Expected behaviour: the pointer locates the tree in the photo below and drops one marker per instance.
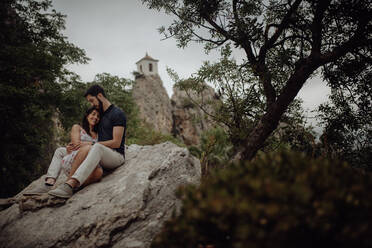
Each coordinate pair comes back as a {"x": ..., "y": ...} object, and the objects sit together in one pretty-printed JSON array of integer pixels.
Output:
[
  {"x": 347, "y": 117},
  {"x": 241, "y": 103},
  {"x": 33, "y": 53},
  {"x": 72, "y": 105},
  {"x": 285, "y": 43}
]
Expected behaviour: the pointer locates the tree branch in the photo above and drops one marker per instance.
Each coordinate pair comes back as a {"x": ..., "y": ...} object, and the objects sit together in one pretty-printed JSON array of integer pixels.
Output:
[
  {"x": 316, "y": 26},
  {"x": 265, "y": 79},
  {"x": 216, "y": 42},
  {"x": 270, "y": 119},
  {"x": 291, "y": 37},
  {"x": 267, "y": 28},
  {"x": 353, "y": 43},
  {"x": 261, "y": 68},
  {"x": 246, "y": 46},
  {"x": 282, "y": 26}
]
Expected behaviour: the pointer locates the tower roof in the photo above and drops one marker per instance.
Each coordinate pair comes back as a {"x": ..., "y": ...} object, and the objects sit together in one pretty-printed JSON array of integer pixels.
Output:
[{"x": 147, "y": 57}]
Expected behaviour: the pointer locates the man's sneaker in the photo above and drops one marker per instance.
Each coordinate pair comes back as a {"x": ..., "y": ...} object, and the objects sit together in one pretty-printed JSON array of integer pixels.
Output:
[
  {"x": 39, "y": 189},
  {"x": 62, "y": 191}
]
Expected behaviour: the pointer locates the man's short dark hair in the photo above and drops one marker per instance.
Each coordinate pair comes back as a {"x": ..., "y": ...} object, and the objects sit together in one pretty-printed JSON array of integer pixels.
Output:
[{"x": 94, "y": 90}]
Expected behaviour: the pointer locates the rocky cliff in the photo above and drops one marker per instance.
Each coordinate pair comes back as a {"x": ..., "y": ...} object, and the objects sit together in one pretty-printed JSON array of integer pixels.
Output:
[
  {"x": 126, "y": 209},
  {"x": 153, "y": 102},
  {"x": 178, "y": 116},
  {"x": 189, "y": 120}
]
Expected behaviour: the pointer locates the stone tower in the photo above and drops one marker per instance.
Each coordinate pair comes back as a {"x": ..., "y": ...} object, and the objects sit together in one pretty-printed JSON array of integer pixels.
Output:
[
  {"x": 151, "y": 97},
  {"x": 147, "y": 66}
]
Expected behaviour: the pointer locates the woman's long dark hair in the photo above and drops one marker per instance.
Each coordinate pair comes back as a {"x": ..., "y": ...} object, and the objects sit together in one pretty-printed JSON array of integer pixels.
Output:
[{"x": 85, "y": 122}]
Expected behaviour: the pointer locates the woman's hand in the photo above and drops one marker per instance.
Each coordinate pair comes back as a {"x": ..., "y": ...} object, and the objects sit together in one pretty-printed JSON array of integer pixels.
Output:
[
  {"x": 69, "y": 148},
  {"x": 73, "y": 147}
]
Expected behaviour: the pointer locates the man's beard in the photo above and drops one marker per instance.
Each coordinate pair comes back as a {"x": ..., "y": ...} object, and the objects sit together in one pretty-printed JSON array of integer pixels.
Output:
[{"x": 100, "y": 107}]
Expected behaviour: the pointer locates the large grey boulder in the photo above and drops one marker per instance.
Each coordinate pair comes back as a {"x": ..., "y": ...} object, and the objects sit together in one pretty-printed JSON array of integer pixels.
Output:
[{"x": 126, "y": 209}]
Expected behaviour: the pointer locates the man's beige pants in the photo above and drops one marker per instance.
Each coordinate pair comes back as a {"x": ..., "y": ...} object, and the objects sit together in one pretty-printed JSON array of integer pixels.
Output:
[{"x": 98, "y": 154}]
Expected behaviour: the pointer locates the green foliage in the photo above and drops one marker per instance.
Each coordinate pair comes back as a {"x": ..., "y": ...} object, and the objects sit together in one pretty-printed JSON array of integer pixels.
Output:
[
  {"x": 293, "y": 133},
  {"x": 215, "y": 150},
  {"x": 33, "y": 53},
  {"x": 347, "y": 117},
  {"x": 187, "y": 103},
  {"x": 27, "y": 131},
  {"x": 73, "y": 104},
  {"x": 146, "y": 135},
  {"x": 278, "y": 200}
]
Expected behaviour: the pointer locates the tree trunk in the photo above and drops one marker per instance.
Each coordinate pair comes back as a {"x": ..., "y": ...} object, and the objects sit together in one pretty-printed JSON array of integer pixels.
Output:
[{"x": 270, "y": 120}]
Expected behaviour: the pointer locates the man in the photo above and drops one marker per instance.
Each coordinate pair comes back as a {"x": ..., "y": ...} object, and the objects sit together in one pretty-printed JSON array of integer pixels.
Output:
[{"x": 109, "y": 151}]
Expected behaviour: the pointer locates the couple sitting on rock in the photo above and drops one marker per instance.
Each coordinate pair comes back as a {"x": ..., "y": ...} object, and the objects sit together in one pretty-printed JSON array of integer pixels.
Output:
[{"x": 98, "y": 143}]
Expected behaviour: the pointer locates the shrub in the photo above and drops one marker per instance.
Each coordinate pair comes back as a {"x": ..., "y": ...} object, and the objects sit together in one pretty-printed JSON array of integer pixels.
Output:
[
  {"x": 278, "y": 200},
  {"x": 146, "y": 135},
  {"x": 215, "y": 150}
]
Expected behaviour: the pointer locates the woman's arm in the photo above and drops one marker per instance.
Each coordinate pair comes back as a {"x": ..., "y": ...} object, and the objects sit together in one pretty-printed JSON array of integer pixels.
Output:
[
  {"x": 75, "y": 139},
  {"x": 75, "y": 134}
]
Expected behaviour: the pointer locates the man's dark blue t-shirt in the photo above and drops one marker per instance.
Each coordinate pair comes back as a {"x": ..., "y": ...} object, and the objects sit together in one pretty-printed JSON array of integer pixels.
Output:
[{"x": 112, "y": 117}]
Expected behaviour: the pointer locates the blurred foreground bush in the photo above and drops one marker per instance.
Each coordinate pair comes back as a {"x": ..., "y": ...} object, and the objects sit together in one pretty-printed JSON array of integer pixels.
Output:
[{"x": 279, "y": 200}]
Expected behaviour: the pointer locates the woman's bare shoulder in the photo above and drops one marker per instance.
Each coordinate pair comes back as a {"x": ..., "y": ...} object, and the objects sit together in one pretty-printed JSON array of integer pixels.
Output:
[{"x": 76, "y": 127}]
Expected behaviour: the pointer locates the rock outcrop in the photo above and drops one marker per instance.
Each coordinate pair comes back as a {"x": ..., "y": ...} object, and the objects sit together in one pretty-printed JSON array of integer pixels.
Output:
[
  {"x": 126, "y": 209},
  {"x": 153, "y": 101},
  {"x": 178, "y": 116},
  {"x": 189, "y": 121}
]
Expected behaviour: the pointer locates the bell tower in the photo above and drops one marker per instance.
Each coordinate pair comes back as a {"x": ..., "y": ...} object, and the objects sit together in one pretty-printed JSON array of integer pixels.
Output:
[{"x": 147, "y": 65}]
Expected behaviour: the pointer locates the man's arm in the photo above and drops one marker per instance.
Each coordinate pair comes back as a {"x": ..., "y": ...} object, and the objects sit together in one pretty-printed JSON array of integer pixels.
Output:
[{"x": 118, "y": 132}]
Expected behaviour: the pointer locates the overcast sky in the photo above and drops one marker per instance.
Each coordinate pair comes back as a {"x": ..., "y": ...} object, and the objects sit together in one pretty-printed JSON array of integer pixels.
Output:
[{"x": 117, "y": 33}]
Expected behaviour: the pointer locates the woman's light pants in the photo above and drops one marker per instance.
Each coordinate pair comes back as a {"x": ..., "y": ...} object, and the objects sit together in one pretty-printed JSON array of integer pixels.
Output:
[{"x": 56, "y": 164}]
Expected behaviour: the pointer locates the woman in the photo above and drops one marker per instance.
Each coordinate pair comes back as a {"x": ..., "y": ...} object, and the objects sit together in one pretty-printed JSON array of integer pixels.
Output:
[
  {"x": 69, "y": 158},
  {"x": 82, "y": 136}
]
